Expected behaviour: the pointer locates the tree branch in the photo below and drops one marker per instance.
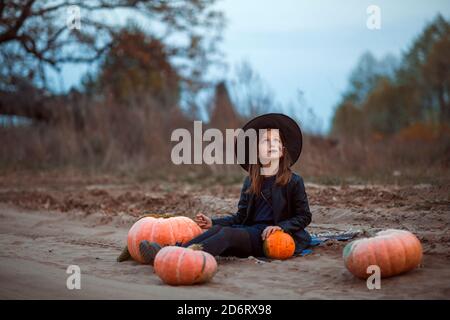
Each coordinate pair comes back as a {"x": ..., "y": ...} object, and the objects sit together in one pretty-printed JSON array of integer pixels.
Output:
[{"x": 11, "y": 34}]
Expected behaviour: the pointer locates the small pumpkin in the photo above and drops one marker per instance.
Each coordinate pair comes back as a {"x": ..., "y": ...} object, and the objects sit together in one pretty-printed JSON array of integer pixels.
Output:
[
  {"x": 164, "y": 231},
  {"x": 184, "y": 266},
  {"x": 394, "y": 251},
  {"x": 279, "y": 245}
]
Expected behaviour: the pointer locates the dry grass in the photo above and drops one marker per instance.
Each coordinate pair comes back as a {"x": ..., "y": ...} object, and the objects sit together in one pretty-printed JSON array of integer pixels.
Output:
[{"x": 134, "y": 141}]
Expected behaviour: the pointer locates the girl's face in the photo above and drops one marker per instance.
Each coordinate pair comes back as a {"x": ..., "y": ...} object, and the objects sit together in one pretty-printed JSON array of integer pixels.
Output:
[{"x": 270, "y": 146}]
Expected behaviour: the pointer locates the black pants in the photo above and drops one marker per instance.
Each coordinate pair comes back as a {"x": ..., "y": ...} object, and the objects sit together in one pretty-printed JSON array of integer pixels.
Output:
[{"x": 224, "y": 241}]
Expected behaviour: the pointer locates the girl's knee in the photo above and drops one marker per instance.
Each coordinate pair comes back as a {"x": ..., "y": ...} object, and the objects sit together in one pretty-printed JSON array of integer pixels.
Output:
[{"x": 234, "y": 233}]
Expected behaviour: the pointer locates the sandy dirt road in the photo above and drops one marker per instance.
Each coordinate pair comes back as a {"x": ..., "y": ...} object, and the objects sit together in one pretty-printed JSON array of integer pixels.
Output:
[
  {"x": 45, "y": 226},
  {"x": 37, "y": 247}
]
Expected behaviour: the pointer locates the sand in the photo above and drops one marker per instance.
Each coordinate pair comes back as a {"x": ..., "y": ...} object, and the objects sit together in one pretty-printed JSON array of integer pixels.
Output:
[{"x": 40, "y": 239}]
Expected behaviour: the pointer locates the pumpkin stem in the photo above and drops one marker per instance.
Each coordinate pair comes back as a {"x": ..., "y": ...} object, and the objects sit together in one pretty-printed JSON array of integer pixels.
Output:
[
  {"x": 196, "y": 246},
  {"x": 124, "y": 256}
]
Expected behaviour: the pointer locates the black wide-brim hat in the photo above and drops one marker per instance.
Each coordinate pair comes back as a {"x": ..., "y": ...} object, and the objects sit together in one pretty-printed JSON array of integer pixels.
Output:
[{"x": 289, "y": 129}]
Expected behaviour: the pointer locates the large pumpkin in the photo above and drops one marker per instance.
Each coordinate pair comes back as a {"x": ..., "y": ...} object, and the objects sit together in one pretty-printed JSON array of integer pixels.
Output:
[
  {"x": 164, "y": 231},
  {"x": 184, "y": 266},
  {"x": 394, "y": 251},
  {"x": 279, "y": 245}
]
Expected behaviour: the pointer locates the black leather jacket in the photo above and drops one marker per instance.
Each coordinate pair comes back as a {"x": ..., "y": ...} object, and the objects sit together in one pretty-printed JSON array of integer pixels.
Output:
[{"x": 290, "y": 207}]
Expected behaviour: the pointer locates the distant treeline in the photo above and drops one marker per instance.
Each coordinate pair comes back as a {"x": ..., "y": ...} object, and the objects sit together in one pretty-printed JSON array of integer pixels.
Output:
[{"x": 409, "y": 96}]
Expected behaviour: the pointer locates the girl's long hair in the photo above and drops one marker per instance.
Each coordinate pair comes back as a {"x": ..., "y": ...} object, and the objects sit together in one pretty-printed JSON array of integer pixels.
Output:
[{"x": 283, "y": 174}]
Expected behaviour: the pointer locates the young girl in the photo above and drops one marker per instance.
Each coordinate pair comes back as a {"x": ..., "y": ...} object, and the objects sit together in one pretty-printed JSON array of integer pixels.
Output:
[{"x": 272, "y": 198}]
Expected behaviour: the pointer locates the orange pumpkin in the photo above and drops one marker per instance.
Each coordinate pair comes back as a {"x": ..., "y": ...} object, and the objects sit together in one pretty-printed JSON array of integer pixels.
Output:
[
  {"x": 164, "y": 231},
  {"x": 279, "y": 245},
  {"x": 184, "y": 266},
  {"x": 394, "y": 251}
]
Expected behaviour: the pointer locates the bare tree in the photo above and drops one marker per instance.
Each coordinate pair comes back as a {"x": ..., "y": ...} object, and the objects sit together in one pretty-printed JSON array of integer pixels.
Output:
[
  {"x": 251, "y": 94},
  {"x": 35, "y": 36}
]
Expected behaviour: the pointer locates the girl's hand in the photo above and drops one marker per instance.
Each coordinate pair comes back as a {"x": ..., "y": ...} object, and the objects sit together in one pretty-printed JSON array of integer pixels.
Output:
[
  {"x": 268, "y": 231},
  {"x": 203, "y": 221}
]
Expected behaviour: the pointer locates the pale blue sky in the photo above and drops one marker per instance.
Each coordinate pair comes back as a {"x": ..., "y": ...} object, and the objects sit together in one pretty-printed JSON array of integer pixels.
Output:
[{"x": 313, "y": 45}]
